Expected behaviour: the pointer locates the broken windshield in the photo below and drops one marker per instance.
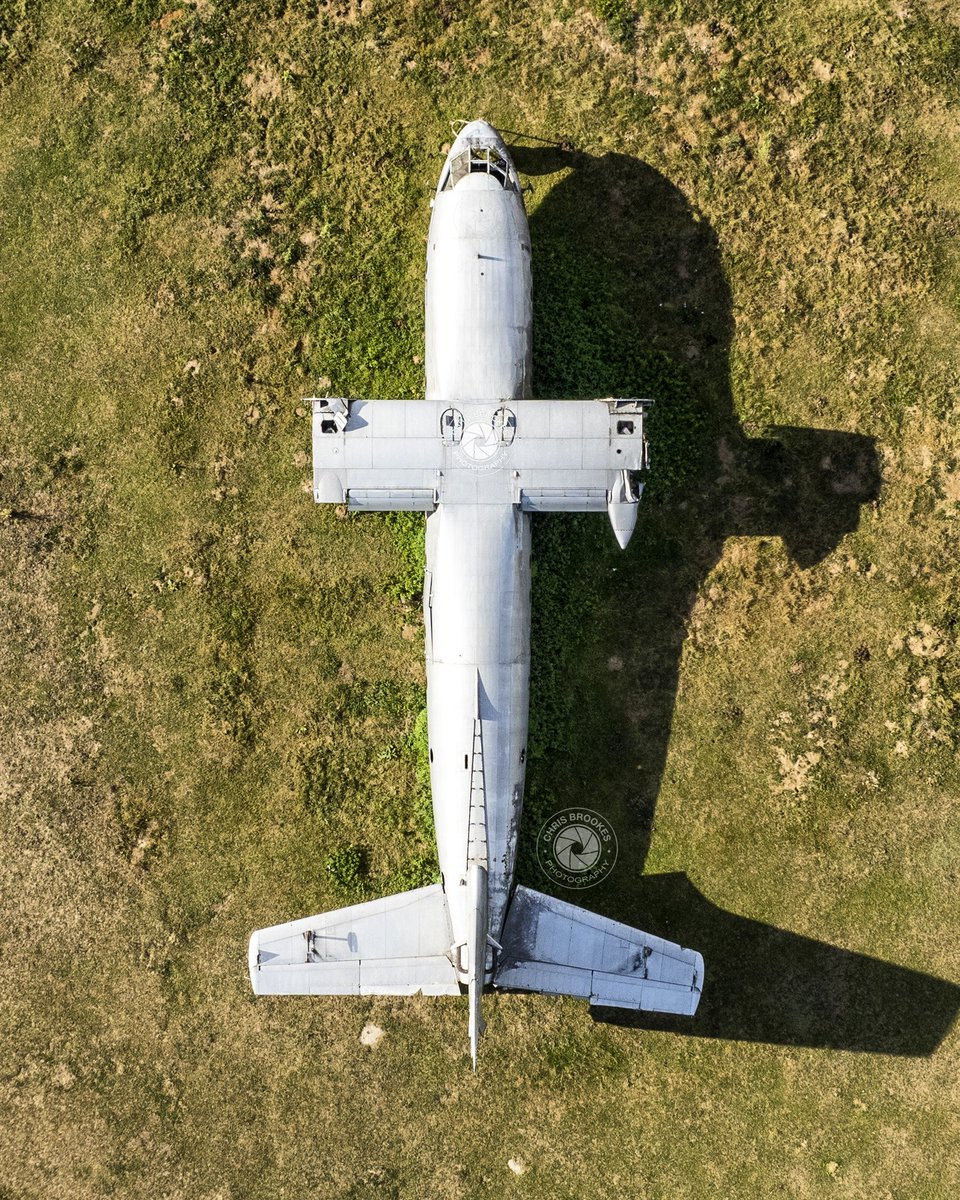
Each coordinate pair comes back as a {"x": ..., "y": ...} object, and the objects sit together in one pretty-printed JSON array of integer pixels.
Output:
[{"x": 485, "y": 159}]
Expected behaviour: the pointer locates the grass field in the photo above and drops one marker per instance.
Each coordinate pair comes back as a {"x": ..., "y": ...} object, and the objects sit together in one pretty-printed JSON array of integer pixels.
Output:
[{"x": 211, "y": 690}]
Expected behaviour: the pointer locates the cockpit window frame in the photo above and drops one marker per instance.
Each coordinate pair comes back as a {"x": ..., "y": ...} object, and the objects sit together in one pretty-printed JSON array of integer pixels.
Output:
[{"x": 484, "y": 158}]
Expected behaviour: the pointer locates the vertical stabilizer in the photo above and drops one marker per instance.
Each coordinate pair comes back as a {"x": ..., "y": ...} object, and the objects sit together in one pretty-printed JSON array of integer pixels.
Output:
[
  {"x": 477, "y": 1023},
  {"x": 477, "y": 838},
  {"x": 476, "y": 950}
]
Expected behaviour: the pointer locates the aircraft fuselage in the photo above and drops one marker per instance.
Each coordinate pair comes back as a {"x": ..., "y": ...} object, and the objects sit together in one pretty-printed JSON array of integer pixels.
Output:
[{"x": 477, "y": 587}]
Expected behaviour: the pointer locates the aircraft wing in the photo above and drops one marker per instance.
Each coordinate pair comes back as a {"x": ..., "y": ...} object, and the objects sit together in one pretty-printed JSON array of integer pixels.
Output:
[
  {"x": 554, "y": 947},
  {"x": 376, "y": 454},
  {"x": 395, "y": 946},
  {"x": 555, "y": 455},
  {"x": 567, "y": 453}
]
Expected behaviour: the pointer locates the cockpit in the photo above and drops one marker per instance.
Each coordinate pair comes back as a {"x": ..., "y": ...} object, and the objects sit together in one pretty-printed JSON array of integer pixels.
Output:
[{"x": 479, "y": 157}]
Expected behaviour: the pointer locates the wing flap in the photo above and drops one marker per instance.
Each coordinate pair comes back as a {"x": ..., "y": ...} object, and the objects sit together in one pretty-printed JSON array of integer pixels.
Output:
[
  {"x": 585, "y": 499},
  {"x": 554, "y": 947},
  {"x": 429, "y": 976},
  {"x": 391, "y": 499}
]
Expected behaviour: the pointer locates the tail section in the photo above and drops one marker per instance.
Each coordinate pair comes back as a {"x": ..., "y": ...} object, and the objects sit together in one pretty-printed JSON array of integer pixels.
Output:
[
  {"x": 402, "y": 945},
  {"x": 554, "y": 947},
  {"x": 396, "y": 946}
]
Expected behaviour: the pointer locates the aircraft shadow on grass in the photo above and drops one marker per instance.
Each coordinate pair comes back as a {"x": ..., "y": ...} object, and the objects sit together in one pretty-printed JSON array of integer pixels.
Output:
[
  {"x": 623, "y": 265},
  {"x": 765, "y": 984}
]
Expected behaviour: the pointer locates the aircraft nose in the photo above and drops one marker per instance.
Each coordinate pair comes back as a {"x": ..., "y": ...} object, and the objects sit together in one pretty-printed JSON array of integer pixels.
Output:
[
  {"x": 478, "y": 148},
  {"x": 479, "y": 129}
]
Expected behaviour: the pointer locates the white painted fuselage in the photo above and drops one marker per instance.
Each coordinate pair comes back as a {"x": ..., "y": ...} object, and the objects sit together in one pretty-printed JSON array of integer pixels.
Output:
[{"x": 477, "y": 588}]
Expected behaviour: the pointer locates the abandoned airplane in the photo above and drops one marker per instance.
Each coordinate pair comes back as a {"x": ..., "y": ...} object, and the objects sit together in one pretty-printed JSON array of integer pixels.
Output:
[{"x": 479, "y": 457}]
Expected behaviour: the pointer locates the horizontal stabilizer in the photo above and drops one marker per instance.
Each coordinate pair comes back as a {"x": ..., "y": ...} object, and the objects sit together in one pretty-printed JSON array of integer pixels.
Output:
[
  {"x": 395, "y": 946},
  {"x": 554, "y": 947}
]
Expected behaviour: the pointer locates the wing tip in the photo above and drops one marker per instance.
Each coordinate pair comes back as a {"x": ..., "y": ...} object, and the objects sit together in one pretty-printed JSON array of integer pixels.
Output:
[{"x": 253, "y": 961}]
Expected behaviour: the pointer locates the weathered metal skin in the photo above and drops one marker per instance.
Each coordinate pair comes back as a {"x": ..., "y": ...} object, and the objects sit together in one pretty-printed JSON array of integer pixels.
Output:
[
  {"x": 478, "y": 654},
  {"x": 477, "y": 599}
]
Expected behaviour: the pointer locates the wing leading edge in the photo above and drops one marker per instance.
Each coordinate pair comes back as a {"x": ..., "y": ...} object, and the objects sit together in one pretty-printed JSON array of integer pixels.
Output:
[{"x": 554, "y": 947}]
